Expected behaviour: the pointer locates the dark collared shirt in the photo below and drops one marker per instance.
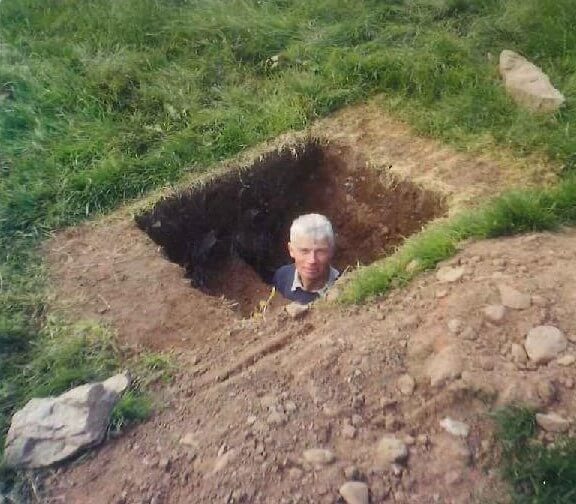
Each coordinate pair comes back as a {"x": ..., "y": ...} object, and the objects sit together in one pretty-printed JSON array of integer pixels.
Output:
[{"x": 288, "y": 283}]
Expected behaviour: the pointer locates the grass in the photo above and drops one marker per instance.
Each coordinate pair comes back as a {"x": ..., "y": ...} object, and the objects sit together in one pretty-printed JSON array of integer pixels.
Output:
[
  {"x": 536, "y": 473},
  {"x": 102, "y": 101},
  {"x": 133, "y": 407},
  {"x": 511, "y": 213}
]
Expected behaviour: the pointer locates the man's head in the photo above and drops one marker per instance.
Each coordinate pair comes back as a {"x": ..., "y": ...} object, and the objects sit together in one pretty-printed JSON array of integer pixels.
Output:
[{"x": 311, "y": 246}]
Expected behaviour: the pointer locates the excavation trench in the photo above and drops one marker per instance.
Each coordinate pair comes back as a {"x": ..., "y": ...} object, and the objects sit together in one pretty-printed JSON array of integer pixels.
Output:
[{"x": 230, "y": 233}]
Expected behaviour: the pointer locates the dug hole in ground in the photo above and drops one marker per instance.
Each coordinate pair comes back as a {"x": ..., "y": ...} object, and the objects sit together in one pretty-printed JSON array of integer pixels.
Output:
[{"x": 271, "y": 409}]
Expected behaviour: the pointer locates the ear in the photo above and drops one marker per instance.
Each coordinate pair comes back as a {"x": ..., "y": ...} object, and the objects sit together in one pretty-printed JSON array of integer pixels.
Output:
[{"x": 290, "y": 250}]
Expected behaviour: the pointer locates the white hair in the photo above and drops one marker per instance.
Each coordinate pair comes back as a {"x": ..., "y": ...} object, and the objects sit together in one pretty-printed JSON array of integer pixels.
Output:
[{"x": 314, "y": 226}]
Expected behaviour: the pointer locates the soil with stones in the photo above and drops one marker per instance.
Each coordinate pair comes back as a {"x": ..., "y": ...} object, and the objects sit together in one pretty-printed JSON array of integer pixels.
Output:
[
  {"x": 239, "y": 417},
  {"x": 394, "y": 394}
]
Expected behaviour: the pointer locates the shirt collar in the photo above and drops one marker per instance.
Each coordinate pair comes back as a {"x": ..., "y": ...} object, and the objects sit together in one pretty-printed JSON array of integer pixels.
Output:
[{"x": 332, "y": 277}]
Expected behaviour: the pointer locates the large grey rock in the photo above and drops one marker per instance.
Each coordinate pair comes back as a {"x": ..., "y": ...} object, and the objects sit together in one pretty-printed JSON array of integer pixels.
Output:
[
  {"x": 544, "y": 343},
  {"x": 53, "y": 429},
  {"x": 527, "y": 84}
]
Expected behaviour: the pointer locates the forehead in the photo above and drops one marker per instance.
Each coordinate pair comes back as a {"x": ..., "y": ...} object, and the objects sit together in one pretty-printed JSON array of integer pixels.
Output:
[{"x": 309, "y": 242}]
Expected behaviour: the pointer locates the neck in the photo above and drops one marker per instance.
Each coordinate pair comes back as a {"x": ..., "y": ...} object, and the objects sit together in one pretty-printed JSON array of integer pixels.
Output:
[{"x": 316, "y": 284}]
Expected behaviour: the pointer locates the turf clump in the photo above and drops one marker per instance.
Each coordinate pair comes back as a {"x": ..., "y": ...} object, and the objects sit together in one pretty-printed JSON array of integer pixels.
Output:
[{"x": 538, "y": 474}]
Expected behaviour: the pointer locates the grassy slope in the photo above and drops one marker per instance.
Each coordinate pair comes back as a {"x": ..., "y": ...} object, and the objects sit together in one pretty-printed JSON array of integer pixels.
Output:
[{"x": 102, "y": 100}]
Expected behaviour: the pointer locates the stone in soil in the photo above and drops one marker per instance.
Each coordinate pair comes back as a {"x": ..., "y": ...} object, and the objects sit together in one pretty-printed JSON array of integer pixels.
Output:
[
  {"x": 355, "y": 492},
  {"x": 297, "y": 310},
  {"x": 448, "y": 274},
  {"x": 223, "y": 460},
  {"x": 189, "y": 439},
  {"x": 406, "y": 384},
  {"x": 318, "y": 456},
  {"x": 444, "y": 366},
  {"x": 390, "y": 450},
  {"x": 566, "y": 360},
  {"x": 455, "y": 326},
  {"x": 546, "y": 391},
  {"x": 276, "y": 418},
  {"x": 455, "y": 427},
  {"x": 518, "y": 354},
  {"x": 513, "y": 298},
  {"x": 52, "y": 429},
  {"x": 348, "y": 431},
  {"x": 552, "y": 422},
  {"x": 495, "y": 313},
  {"x": 544, "y": 343}
]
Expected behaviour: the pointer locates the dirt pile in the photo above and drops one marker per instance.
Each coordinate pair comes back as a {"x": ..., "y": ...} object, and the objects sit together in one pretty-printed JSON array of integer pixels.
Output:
[
  {"x": 394, "y": 394},
  {"x": 272, "y": 409},
  {"x": 112, "y": 271}
]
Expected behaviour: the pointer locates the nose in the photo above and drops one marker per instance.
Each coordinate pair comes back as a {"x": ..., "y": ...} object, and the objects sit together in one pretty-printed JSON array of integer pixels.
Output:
[{"x": 313, "y": 257}]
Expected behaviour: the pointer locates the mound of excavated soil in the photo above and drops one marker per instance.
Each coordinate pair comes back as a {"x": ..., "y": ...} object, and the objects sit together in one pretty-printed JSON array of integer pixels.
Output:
[
  {"x": 112, "y": 271},
  {"x": 248, "y": 402},
  {"x": 251, "y": 396}
]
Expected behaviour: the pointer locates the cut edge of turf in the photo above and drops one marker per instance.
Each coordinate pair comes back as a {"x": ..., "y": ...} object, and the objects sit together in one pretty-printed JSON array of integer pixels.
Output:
[{"x": 536, "y": 168}]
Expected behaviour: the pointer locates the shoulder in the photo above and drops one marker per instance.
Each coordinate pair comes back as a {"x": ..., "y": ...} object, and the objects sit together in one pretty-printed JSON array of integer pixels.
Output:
[
  {"x": 284, "y": 272},
  {"x": 283, "y": 278}
]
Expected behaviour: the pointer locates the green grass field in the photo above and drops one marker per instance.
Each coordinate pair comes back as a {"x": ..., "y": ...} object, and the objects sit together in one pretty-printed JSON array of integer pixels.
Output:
[{"x": 102, "y": 101}]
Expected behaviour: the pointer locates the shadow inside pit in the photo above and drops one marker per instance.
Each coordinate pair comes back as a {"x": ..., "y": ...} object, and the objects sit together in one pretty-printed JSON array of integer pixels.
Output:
[{"x": 230, "y": 233}]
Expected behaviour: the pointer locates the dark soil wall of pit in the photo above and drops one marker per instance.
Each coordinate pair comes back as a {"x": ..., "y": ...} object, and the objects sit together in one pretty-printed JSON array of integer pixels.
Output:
[{"x": 245, "y": 215}]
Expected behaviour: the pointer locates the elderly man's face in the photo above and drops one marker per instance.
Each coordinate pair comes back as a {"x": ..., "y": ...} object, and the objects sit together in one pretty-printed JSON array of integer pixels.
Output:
[{"x": 311, "y": 257}]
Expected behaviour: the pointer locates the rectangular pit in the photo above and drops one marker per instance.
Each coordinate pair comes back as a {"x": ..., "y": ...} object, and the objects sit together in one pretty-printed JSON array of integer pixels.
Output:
[{"x": 230, "y": 233}]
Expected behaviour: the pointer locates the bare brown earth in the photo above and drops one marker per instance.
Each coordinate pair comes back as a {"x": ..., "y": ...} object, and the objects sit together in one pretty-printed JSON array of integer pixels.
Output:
[
  {"x": 246, "y": 403},
  {"x": 111, "y": 271},
  {"x": 251, "y": 394}
]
